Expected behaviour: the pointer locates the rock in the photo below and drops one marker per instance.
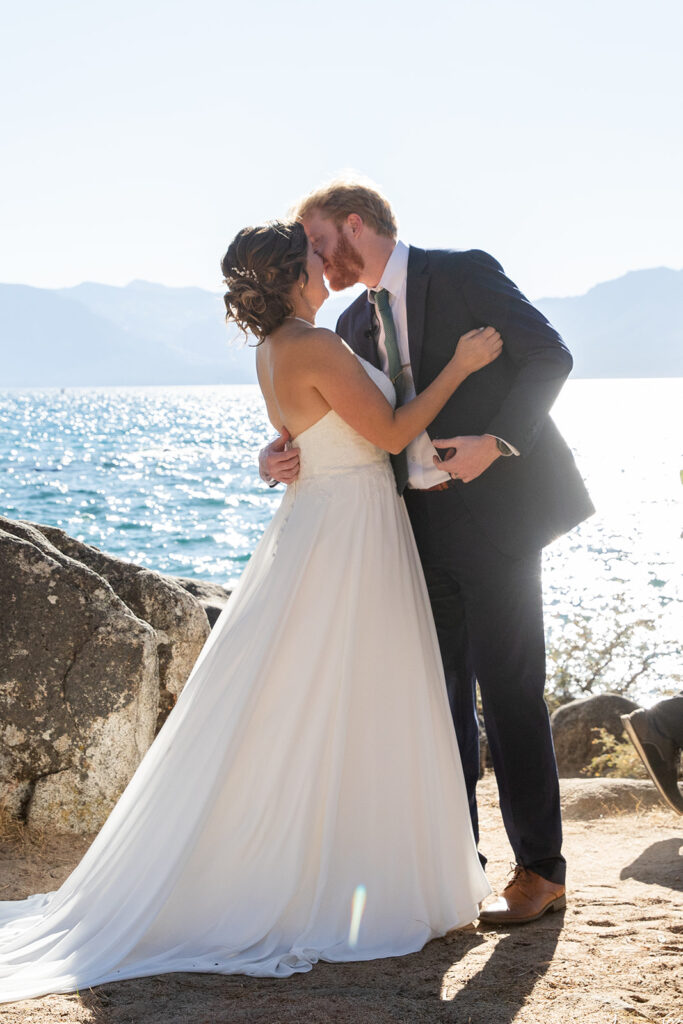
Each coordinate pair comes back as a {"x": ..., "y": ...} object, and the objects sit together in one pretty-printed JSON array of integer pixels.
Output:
[
  {"x": 93, "y": 653},
  {"x": 80, "y": 687},
  {"x": 485, "y": 759},
  {"x": 176, "y": 616},
  {"x": 212, "y": 596},
  {"x": 573, "y": 726},
  {"x": 597, "y": 798}
]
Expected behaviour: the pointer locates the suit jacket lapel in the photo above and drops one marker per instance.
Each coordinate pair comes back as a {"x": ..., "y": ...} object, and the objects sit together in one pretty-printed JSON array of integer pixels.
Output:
[
  {"x": 365, "y": 333},
  {"x": 416, "y": 299}
]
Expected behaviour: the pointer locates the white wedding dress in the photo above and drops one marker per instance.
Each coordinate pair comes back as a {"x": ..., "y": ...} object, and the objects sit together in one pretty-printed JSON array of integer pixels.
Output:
[{"x": 304, "y": 800}]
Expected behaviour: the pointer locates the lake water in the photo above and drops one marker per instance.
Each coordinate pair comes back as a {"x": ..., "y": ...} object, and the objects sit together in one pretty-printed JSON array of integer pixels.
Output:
[{"x": 167, "y": 477}]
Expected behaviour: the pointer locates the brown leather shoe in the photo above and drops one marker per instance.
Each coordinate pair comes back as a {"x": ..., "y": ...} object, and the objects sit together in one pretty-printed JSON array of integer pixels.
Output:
[{"x": 526, "y": 897}]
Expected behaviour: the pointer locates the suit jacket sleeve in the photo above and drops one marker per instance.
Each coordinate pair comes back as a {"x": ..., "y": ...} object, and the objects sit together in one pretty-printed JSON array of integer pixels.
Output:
[{"x": 541, "y": 359}]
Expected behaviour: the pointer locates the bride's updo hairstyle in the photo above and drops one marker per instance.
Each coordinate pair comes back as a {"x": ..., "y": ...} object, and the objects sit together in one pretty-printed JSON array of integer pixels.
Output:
[{"x": 260, "y": 268}]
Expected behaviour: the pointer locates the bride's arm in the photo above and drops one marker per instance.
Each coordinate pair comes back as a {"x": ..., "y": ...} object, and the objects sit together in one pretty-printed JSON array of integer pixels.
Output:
[{"x": 335, "y": 372}]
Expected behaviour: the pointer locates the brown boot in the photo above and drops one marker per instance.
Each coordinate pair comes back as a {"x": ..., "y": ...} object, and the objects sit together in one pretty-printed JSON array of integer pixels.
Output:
[{"x": 526, "y": 897}]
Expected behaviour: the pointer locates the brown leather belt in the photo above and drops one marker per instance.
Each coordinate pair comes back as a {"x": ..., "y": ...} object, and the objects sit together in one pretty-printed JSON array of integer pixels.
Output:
[{"x": 443, "y": 486}]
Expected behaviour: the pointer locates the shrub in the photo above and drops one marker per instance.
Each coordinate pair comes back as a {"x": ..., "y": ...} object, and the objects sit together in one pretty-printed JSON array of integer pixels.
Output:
[{"x": 616, "y": 758}]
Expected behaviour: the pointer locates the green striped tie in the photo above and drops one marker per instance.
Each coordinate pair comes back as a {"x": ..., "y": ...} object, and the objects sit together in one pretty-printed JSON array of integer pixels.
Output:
[{"x": 381, "y": 300}]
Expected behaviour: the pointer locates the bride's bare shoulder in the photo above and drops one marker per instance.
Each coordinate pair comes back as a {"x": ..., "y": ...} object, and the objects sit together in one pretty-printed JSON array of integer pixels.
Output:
[
  {"x": 322, "y": 343},
  {"x": 312, "y": 348}
]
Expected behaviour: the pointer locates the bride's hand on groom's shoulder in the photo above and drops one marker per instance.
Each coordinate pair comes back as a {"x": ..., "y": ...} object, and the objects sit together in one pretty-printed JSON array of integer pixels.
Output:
[
  {"x": 277, "y": 463},
  {"x": 477, "y": 349}
]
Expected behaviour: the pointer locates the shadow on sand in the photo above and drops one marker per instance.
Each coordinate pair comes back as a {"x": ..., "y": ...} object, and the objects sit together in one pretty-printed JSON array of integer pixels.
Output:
[
  {"x": 502, "y": 985},
  {"x": 660, "y": 864},
  {"x": 484, "y": 977}
]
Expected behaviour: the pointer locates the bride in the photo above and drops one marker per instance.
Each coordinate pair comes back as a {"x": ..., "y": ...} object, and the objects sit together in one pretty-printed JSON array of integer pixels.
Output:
[{"x": 304, "y": 800}]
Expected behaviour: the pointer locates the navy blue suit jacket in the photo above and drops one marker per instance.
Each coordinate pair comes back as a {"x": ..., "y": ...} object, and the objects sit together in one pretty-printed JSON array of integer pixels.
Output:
[{"x": 521, "y": 503}]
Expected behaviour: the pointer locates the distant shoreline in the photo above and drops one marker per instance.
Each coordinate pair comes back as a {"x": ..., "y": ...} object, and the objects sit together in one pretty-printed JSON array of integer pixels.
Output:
[{"x": 626, "y": 328}]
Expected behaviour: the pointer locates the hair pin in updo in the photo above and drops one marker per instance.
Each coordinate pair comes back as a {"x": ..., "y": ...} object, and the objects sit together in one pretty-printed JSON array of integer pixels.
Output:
[{"x": 260, "y": 268}]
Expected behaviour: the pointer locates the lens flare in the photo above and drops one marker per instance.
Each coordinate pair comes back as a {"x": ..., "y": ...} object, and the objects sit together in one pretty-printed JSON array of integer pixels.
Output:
[{"x": 357, "y": 909}]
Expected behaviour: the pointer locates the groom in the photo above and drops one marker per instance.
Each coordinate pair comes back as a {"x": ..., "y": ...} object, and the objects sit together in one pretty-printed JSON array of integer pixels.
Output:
[{"x": 502, "y": 487}]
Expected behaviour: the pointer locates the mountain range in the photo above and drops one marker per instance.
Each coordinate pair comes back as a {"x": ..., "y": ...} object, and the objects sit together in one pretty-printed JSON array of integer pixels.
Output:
[{"x": 95, "y": 334}]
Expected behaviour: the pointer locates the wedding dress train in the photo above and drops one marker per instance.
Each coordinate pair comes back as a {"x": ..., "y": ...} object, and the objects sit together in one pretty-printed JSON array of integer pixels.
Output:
[{"x": 304, "y": 800}]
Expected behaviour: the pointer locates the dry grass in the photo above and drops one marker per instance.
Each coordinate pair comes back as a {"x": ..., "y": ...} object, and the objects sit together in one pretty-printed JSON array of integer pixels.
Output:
[
  {"x": 14, "y": 832},
  {"x": 11, "y": 830}
]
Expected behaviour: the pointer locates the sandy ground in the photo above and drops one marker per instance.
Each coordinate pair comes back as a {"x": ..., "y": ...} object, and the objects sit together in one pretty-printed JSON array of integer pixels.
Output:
[{"x": 613, "y": 957}]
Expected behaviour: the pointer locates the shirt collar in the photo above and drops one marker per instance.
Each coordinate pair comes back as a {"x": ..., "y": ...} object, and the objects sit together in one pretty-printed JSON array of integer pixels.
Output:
[{"x": 396, "y": 270}]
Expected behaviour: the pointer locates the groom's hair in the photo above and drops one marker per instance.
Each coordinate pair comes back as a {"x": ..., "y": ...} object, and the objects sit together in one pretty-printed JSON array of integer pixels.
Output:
[{"x": 342, "y": 197}]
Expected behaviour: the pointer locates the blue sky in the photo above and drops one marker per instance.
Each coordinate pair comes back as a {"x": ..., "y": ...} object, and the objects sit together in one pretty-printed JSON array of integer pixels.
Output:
[{"x": 138, "y": 137}]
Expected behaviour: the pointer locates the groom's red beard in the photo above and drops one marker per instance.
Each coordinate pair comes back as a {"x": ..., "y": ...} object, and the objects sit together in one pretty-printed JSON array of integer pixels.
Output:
[{"x": 344, "y": 266}]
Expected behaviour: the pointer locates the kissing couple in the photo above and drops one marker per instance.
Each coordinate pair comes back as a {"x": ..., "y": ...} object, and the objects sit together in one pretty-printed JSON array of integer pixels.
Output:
[{"x": 312, "y": 794}]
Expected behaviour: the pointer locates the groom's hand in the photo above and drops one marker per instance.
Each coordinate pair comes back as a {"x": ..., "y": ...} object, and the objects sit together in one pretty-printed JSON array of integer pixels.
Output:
[
  {"x": 473, "y": 455},
  {"x": 276, "y": 463}
]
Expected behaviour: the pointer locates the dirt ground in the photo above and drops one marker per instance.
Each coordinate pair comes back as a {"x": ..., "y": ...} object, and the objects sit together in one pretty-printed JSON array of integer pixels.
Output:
[{"x": 614, "y": 956}]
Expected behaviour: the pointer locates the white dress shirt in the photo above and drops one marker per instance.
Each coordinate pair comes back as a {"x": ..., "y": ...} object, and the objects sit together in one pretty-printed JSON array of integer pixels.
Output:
[{"x": 421, "y": 470}]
